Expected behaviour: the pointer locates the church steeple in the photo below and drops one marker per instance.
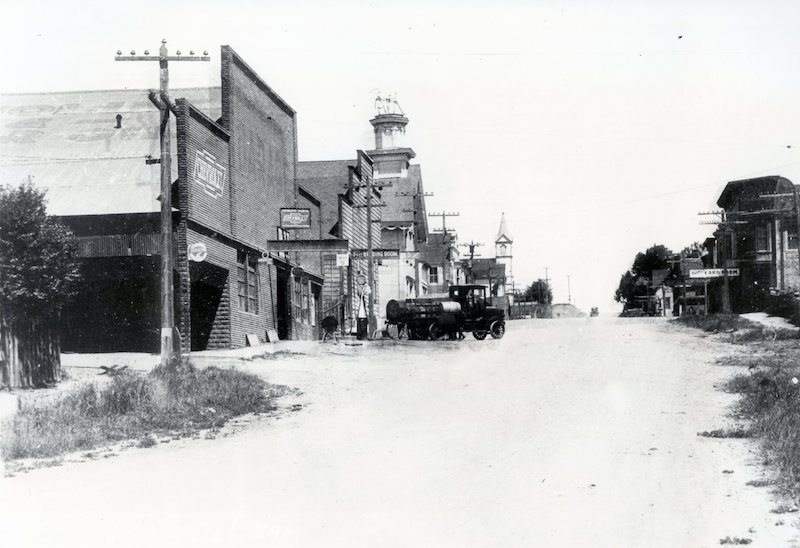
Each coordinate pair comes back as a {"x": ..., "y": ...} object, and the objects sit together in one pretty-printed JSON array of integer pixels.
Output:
[{"x": 503, "y": 250}]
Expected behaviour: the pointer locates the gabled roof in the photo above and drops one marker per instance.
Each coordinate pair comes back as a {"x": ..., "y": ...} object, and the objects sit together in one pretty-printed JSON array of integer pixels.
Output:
[
  {"x": 402, "y": 199},
  {"x": 67, "y": 142},
  {"x": 326, "y": 180}
]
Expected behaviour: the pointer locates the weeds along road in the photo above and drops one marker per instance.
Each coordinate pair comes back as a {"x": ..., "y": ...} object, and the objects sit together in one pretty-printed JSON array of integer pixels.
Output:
[{"x": 575, "y": 432}]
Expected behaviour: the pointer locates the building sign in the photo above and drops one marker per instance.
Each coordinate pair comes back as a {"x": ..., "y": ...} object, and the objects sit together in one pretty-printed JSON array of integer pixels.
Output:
[
  {"x": 209, "y": 174},
  {"x": 342, "y": 259},
  {"x": 198, "y": 252},
  {"x": 295, "y": 218},
  {"x": 712, "y": 273},
  {"x": 377, "y": 253}
]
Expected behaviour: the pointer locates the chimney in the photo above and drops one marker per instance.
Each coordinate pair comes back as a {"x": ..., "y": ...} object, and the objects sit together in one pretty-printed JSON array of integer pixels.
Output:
[{"x": 119, "y": 121}]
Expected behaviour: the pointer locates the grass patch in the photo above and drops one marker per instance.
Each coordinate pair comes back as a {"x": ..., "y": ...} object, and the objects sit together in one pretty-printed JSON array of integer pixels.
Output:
[
  {"x": 715, "y": 322},
  {"x": 735, "y": 540},
  {"x": 179, "y": 400},
  {"x": 734, "y": 433},
  {"x": 760, "y": 483},
  {"x": 771, "y": 403},
  {"x": 744, "y": 331}
]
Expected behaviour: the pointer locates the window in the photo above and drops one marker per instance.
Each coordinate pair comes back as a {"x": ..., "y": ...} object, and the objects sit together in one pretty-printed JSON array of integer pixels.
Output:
[
  {"x": 762, "y": 238},
  {"x": 247, "y": 278},
  {"x": 791, "y": 234},
  {"x": 305, "y": 305},
  {"x": 297, "y": 298},
  {"x": 433, "y": 275}
]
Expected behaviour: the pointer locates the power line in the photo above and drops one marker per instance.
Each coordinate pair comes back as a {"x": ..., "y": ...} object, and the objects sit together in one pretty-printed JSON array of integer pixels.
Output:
[{"x": 655, "y": 196}]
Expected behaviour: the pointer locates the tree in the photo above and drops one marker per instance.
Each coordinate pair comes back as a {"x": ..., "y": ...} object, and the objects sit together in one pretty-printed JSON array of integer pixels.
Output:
[
  {"x": 38, "y": 265},
  {"x": 539, "y": 291},
  {"x": 634, "y": 282}
]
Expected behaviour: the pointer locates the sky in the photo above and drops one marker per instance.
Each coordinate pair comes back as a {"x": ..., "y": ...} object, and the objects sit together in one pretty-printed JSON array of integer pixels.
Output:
[{"x": 598, "y": 127}]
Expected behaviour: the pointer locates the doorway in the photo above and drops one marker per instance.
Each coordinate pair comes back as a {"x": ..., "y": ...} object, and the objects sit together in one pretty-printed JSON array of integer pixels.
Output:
[
  {"x": 207, "y": 289},
  {"x": 282, "y": 305}
]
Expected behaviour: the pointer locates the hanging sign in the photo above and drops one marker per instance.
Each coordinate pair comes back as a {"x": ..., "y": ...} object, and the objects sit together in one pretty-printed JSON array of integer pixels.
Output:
[
  {"x": 295, "y": 218},
  {"x": 377, "y": 253}
]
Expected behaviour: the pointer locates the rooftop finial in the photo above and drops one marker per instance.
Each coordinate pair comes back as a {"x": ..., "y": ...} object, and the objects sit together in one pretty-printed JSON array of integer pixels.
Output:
[{"x": 388, "y": 105}]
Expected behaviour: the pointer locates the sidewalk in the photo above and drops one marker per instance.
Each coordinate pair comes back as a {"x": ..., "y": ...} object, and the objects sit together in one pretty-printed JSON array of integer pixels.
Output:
[{"x": 140, "y": 361}]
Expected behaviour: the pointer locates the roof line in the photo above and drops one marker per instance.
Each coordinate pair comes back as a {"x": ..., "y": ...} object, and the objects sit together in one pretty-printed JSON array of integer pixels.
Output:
[{"x": 144, "y": 90}]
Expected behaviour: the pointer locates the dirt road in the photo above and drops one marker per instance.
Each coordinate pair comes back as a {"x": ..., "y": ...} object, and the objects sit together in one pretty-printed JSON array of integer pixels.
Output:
[{"x": 565, "y": 433}]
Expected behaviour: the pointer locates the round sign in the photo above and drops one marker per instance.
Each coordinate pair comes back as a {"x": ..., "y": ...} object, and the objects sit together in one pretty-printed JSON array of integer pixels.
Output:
[
  {"x": 198, "y": 252},
  {"x": 361, "y": 279}
]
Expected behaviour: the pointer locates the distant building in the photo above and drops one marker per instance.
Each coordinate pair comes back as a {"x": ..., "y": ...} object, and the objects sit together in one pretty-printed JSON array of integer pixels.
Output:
[
  {"x": 760, "y": 239},
  {"x": 438, "y": 264},
  {"x": 491, "y": 273},
  {"x": 342, "y": 188}
]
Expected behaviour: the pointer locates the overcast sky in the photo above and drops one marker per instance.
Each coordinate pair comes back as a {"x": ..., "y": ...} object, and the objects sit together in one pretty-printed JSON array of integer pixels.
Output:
[{"x": 599, "y": 128}]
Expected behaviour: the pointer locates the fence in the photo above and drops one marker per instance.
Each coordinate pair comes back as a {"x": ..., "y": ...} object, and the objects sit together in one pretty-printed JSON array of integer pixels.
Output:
[{"x": 30, "y": 352}]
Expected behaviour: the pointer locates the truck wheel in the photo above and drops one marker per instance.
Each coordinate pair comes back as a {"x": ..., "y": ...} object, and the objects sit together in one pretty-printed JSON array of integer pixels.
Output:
[
  {"x": 480, "y": 335},
  {"x": 498, "y": 329}
]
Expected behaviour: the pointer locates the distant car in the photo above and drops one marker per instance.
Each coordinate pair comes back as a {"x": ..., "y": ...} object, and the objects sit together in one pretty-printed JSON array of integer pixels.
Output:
[{"x": 594, "y": 312}]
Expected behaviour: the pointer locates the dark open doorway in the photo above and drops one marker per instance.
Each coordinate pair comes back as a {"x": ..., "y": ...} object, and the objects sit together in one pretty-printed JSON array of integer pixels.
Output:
[
  {"x": 208, "y": 287},
  {"x": 282, "y": 301}
]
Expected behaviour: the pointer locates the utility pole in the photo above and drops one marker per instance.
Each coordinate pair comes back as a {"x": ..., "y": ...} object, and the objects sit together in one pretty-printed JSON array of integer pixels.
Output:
[
  {"x": 444, "y": 215},
  {"x": 471, "y": 245},
  {"x": 165, "y": 105},
  {"x": 369, "y": 186},
  {"x": 569, "y": 291},
  {"x": 546, "y": 280},
  {"x": 723, "y": 224}
]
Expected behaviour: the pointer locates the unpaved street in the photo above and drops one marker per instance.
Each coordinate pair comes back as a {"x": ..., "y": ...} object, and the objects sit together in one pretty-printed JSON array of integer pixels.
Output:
[{"x": 565, "y": 433}]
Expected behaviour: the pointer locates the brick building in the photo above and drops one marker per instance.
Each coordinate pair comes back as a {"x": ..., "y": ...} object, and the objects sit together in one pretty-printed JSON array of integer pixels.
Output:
[{"x": 236, "y": 168}]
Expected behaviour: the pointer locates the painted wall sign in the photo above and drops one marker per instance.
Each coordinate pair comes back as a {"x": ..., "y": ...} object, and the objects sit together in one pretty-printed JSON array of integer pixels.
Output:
[
  {"x": 712, "y": 273},
  {"x": 209, "y": 174},
  {"x": 295, "y": 218}
]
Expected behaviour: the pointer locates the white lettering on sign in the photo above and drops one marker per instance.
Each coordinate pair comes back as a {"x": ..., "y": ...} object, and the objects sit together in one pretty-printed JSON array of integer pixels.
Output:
[
  {"x": 712, "y": 272},
  {"x": 208, "y": 173}
]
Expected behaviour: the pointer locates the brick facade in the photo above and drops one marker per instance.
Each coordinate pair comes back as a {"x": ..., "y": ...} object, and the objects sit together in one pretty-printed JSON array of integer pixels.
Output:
[{"x": 234, "y": 176}]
